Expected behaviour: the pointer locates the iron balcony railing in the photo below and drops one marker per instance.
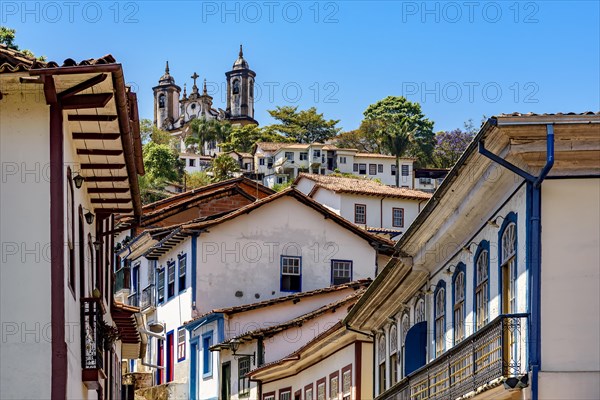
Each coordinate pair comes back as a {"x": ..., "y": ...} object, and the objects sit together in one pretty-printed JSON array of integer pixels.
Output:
[
  {"x": 122, "y": 277},
  {"x": 92, "y": 342},
  {"x": 148, "y": 297},
  {"x": 495, "y": 351},
  {"x": 134, "y": 299}
]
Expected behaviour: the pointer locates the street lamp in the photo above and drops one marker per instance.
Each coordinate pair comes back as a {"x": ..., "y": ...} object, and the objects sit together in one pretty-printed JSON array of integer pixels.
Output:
[
  {"x": 234, "y": 345},
  {"x": 78, "y": 180}
]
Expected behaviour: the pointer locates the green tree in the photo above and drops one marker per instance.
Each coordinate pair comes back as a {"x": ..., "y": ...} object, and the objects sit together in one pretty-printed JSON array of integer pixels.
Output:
[
  {"x": 162, "y": 163},
  {"x": 151, "y": 132},
  {"x": 278, "y": 187},
  {"x": 396, "y": 116},
  {"x": 365, "y": 139},
  {"x": 243, "y": 138},
  {"x": 223, "y": 167},
  {"x": 207, "y": 130},
  {"x": 196, "y": 180},
  {"x": 304, "y": 126},
  {"x": 7, "y": 37}
]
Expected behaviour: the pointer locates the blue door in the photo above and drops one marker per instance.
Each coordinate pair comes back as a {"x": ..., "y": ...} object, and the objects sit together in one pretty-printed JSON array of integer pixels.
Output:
[{"x": 415, "y": 355}]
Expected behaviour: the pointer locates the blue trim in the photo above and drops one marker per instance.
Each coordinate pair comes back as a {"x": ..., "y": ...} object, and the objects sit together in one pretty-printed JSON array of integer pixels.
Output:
[
  {"x": 484, "y": 245},
  {"x": 460, "y": 267},
  {"x": 181, "y": 328},
  {"x": 207, "y": 342},
  {"x": 331, "y": 269},
  {"x": 170, "y": 264},
  {"x": 167, "y": 364},
  {"x": 281, "y": 274},
  {"x": 179, "y": 286},
  {"x": 194, "y": 266},
  {"x": 193, "y": 363},
  {"x": 221, "y": 328},
  {"x": 511, "y": 217},
  {"x": 440, "y": 285},
  {"x": 160, "y": 270}
]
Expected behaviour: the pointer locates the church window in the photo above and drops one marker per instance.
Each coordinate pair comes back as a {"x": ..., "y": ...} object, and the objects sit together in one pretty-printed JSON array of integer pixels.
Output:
[
  {"x": 161, "y": 101},
  {"x": 236, "y": 86},
  {"x": 251, "y": 87}
]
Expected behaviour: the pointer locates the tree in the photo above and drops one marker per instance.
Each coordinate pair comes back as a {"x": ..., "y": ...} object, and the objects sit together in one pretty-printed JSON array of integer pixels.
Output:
[
  {"x": 7, "y": 37},
  {"x": 365, "y": 139},
  {"x": 449, "y": 146},
  {"x": 151, "y": 132},
  {"x": 223, "y": 167},
  {"x": 206, "y": 131},
  {"x": 196, "y": 180},
  {"x": 395, "y": 115},
  {"x": 162, "y": 163},
  {"x": 305, "y": 126},
  {"x": 243, "y": 138}
]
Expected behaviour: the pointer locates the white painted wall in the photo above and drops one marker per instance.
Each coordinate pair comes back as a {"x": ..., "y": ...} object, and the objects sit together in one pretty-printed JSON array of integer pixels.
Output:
[{"x": 379, "y": 213}]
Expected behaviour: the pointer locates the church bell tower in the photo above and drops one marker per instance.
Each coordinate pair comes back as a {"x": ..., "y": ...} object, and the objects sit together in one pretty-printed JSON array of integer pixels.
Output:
[
  {"x": 166, "y": 101},
  {"x": 240, "y": 92}
]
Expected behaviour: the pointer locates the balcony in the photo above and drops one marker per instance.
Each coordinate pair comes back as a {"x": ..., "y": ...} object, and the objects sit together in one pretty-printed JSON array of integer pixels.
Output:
[
  {"x": 92, "y": 342},
  {"x": 133, "y": 299},
  {"x": 148, "y": 298},
  {"x": 492, "y": 354}
]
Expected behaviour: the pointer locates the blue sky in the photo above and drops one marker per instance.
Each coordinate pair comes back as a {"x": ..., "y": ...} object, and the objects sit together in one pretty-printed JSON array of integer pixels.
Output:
[{"x": 460, "y": 60}]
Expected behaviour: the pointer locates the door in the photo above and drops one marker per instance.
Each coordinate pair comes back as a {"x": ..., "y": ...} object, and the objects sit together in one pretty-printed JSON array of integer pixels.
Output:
[
  {"x": 226, "y": 381},
  {"x": 170, "y": 354},
  {"x": 159, "y": 361},
  {"x": 135, "y": 282}
]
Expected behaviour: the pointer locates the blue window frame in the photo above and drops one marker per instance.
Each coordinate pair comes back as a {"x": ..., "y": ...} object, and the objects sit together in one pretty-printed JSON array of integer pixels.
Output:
[
  {"x": 507, "y": 267},
  {"x": 439, "y": 312},
  {"x": 160, "y": 285},
  {"x": 170, "y": 279},
  {"x": 207, "y": 342},
  {"x": 481, "y": 294},
  {"x": 341, "y": 271},
  {"x": 291, "y": 274},
  {"x": 182, "y": 272},
  {"x": 181, "y": 342},
  {"x": 459, "y": 310}
]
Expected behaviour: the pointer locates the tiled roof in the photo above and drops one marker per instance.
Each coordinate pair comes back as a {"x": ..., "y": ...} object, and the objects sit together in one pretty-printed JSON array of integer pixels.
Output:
[
  {"x": 271, "y": 146},
  {"x": 361, "y": 283},
  {"x": 362, "y": 186},
  {"x": 298, "y": 321},
  {"x": 531, "y": 114},
  {"x": 375, "y": 155}
]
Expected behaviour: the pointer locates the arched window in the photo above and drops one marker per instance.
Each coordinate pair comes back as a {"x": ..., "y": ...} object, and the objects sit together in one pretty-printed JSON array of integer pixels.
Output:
[
  {"x": 459, "y": 303},
  {"x": 509, "y": 268},
  {"x": 405, "y": 326},
  {"x": 393, "y": 354},
  {"x": 482, "y": 264},
  {"x": 381, "y": 356},
  {"x": 251, "y": 87},
  {"x": 420, "y": 311},
  {"x": 236, "y": 86},
  {"x": 440, "y": 318},
  {"x": 161, "y": 101}
]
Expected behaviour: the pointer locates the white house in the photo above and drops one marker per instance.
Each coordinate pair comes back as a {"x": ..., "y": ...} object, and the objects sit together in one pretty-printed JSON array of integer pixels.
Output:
[
  {"x": 71, "y": 154},
  {"x": 429, "y": 179},
  {"x": 377, "y": 207},
  {"x": 281, "y": 162},
  {"x": 498, "y": 294}
]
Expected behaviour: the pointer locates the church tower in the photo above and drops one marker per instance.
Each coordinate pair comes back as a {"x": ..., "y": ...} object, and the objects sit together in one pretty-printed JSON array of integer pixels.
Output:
[
  {"x": 166, "y": 101},
  {"x": 240, "y": 92}
]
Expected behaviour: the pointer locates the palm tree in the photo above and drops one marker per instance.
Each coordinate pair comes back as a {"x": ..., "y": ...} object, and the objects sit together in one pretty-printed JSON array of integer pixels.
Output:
[
  {"x": 223, "y": 167},
  {"x": 206, "y": 131},
  {"x": 397, "y": 137}
]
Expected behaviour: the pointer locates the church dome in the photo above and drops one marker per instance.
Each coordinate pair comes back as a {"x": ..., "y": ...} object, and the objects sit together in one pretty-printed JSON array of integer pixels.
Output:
[
  {"x": 166, "y": 79},
  {"x": 240, "y": 63}
]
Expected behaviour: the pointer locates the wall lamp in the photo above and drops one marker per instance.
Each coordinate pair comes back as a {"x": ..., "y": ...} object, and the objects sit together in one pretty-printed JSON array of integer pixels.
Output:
[
  {"x": 450, "y": 270},
  {"x": 429, "y": 289},
  {"x": 97, "y": 244},
  {"x": 234, "y": 345},
  {"x": 89, "y": 217},
  {"x": 78, "y": 180},
  {"x": 467, "y": 248},
  {"x": 494, "y": 221}
]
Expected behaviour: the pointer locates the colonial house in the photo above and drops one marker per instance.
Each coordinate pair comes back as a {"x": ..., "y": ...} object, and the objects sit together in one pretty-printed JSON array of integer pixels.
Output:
[
  {"x": 335, "y": 364},
  {"x": 429, "y": 179},
  {"x": 277, "y": 163},
  {"x": 497, "y": 293},
  {"x": 278, "y": 245},
  {"x": 215, "y": 373},
  {"x": 376, "y": 207},
  {"x": 71, "y": 156}
]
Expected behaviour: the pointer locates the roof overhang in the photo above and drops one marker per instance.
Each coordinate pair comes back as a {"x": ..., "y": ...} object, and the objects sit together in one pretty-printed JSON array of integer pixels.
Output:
[{"x": 129, "y": 323}]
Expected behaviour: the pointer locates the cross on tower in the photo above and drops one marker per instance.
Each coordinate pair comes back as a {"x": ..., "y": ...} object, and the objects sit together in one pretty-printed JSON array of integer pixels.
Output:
[{"x": 194, "y": 77}]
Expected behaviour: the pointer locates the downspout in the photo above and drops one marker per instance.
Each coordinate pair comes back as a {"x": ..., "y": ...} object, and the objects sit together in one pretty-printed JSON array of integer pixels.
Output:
[
  {"x": 381, "y": 213},
  {"x": 534, "y": 251}
]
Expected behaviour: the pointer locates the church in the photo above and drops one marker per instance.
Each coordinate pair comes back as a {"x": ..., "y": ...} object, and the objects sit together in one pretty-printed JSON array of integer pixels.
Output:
[{"x": 173, "y": 111}]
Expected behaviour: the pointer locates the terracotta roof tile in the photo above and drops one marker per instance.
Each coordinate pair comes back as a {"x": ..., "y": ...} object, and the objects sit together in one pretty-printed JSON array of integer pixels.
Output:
[
  {"x": 362, "y": 186},
  {"x": 270, "y": 146}
]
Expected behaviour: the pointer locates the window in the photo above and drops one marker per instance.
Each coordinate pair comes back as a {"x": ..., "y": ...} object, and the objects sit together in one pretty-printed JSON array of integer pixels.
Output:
[
  {"x": 291, "y": 274},
  {"x": 289, "y": 155},
  {"x": 236, "y": 86},
  {"x": 404, "y": 170},
  {"x": 303, "y": 156},
  {"x": 321, "y": 389},
  {"x": 405, "y": 325},
  {"x": 192, "y": 162},
  {"x": 280, "y": 180},
  {"x": 355, "y": 167},
  {"x": 182, "y": 272},
  {"x": 285, "y": 394},
  {"x": 308, "y": 392},
  {"x": 181, "y": 344},
  {"x": 440, "y": 318},
  {"x": 341, "y": 272},
  {"x": 360, "y": 214},
  {"x": 316, "y": 153},
  {"x": 161, "y": 285},
  {"x": 420, "y": 311},
  {"x": 481, "y": 288},
  {"x": 161, "y": 101},
  {"x": 334, "y": 385},
  {"x": 243, "y": 381},
  {"x": 398, "y": 217},
  {"x": 170, "y": 279},
  {"x": 379, "y": 168},
  {"x": 459, "y": 304},
  {"x": 342, "y": 160},
  {"x": 207, "y": 341},
  {"x": 381, "y": 358},
  {"x": 393, "y": 355},
  {"x": 261, "y": 161},
  {"x": 347, "y": 382},
  {"x": 362, "y": 169},
  {"x": 269, "y": 162},
  {"x": 393, "y": 170},
  {"x": 269, "y": 396},
  {"x": 425, "y": 181},
  {"x": 509, "y": 251},
  {"x": 372, "y": 169}
]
